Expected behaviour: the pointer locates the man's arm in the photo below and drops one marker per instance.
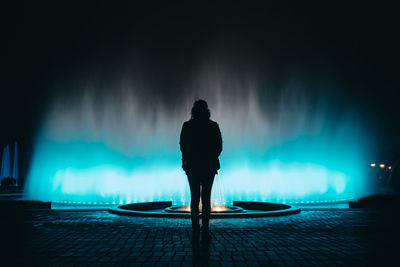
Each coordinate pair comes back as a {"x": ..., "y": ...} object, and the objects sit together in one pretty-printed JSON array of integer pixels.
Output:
[
  {"x": 182, "y": 139},
  {"x": 183, "y": 145}
]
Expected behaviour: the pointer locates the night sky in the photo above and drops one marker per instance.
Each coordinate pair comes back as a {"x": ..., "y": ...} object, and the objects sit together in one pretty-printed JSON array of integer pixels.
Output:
[{"x": 47, "y": 48}]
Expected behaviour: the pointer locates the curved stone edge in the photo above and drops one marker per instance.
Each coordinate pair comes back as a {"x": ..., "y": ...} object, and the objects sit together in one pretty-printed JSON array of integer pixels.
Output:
[
  {"x": 250, "y": 214},
  {"x": 234, "y": 209}
]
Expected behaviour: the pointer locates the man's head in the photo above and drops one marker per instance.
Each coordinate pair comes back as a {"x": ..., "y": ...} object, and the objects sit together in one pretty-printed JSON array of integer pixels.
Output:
[{"x": 200, "y": 110}]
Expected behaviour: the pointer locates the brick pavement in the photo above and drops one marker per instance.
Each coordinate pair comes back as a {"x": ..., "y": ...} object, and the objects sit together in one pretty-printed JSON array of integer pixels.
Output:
[{"x": 330, "y": 237}]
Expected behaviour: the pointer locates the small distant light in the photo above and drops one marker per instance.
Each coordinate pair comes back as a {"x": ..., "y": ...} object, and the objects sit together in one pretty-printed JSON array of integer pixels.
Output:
[
  {"x": 389, "y": 167},
  {"x": 382, "y": 166},
  {"x": 373, "y": 164}
]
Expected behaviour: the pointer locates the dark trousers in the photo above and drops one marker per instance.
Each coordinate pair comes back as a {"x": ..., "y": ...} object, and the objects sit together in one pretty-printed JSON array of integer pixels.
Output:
[{"x": 205, "y": 181}]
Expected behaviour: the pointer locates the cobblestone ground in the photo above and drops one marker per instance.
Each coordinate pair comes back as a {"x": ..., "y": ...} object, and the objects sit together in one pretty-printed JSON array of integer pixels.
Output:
[{"x": 333, "y": 237}]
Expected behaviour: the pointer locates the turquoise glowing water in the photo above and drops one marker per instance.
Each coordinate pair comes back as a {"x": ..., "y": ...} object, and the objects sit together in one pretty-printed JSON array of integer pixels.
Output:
[
  {"x": 123, "y": 146},
  {"x": 303, "y": 170},
  {"x": 5, "y": 163}
]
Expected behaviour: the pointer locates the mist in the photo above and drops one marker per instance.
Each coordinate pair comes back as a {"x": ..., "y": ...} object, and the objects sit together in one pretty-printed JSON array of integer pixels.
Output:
[{"x": 118, "y": 141}]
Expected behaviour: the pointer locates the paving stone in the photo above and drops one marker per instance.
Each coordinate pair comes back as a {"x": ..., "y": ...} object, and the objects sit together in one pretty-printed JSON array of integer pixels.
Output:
[{"x": 334, "y": 237}]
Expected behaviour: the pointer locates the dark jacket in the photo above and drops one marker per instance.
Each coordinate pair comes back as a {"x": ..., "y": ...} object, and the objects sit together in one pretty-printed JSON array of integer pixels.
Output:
[{"x": 201, "y": 144}]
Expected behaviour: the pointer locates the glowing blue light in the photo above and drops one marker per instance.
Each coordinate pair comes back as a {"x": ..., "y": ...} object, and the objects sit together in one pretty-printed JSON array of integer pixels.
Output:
[
  {"x": 305, "y": 157},
  {"x": 145, "y": 182}
]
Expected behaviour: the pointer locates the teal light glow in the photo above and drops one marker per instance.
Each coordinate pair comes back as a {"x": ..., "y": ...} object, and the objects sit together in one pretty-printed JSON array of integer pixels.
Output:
[{"x": 123, "y": 147}]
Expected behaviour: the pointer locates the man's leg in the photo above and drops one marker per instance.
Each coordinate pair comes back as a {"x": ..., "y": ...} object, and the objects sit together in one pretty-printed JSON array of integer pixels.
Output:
[
  {"x": 206, "y": 201},
  {"x": 194, "y": 185}
]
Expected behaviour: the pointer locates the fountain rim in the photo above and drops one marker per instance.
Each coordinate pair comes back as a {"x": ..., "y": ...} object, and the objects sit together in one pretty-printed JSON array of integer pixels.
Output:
[
  {"x": 252, "y": 209},
  {"x": 229, "y": 209}
]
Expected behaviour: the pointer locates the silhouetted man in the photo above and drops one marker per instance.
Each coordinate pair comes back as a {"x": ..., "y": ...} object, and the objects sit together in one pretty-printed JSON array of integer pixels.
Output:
[{"x": 201, "y": 144}]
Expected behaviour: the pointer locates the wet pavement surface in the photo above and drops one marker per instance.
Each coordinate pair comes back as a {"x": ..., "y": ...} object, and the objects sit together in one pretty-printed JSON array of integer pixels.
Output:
[{"x": 314, "y": 237}]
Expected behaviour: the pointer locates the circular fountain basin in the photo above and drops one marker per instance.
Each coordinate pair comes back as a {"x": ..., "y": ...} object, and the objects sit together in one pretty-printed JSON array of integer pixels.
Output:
[
  {"x": 239, "y": 209},
  {"x": 215, "y": 209}
]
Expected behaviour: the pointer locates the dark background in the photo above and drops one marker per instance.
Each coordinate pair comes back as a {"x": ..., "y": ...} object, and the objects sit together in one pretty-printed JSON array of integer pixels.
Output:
[{"x": 47, "y": 47}]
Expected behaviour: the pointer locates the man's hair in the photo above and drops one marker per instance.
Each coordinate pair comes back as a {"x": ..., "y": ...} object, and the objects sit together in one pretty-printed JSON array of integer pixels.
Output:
[{"x": 200, "y": 110}]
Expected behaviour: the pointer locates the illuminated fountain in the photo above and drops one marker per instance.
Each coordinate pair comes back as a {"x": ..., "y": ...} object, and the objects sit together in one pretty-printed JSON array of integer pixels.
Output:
[
  {"x": 121, "y": 146},
  {"x": 9, "y": 177},
  {"x": 15, "y": 172},
  {"x": 5, "y": 163}
]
